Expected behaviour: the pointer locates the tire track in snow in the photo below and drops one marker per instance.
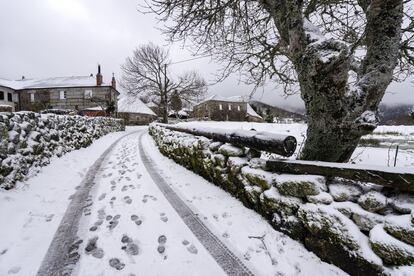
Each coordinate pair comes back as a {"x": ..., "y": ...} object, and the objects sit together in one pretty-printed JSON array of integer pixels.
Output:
[
  {"x": 225, "y": 258},
  {"x": 58, "y": 259}
]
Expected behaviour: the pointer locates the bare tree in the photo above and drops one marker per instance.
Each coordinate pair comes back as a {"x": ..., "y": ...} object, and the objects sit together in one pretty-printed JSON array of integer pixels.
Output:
[
  {"x": 145, "y": 75},
  {"x": 340, "y": 54}
]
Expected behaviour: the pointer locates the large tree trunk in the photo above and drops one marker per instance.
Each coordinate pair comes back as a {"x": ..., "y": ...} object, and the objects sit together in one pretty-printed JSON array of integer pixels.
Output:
[
  {"x": 331, "y": 135},
  {"x": 164, "y": 109},
  {"x": 339, "y": 113}
]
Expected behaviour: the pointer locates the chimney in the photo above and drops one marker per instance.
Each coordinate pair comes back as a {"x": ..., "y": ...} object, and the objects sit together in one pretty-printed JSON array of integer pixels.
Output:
[
  {"x": 113, "y": 81},
  {"x": 99, "y": 76}
]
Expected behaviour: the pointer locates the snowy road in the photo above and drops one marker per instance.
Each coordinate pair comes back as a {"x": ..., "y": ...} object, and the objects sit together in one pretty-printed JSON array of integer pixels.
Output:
[{"x": 128, "y": 226}]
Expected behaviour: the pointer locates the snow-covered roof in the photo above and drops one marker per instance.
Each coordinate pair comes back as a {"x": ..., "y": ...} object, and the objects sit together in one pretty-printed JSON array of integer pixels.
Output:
[
  {"x": 133, "y": 105},
  {"x": 74, "y": 81},
  {"x": 251, "y": 112},
  {"x": 96, "y": 108},
  {"x": 238, "y": 99},
  {"x": 182, "y": 112}
]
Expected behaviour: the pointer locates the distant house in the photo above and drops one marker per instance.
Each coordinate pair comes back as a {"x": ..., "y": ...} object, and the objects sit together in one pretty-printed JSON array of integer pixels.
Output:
[
  {"x": 226, "y": 109},
  {"x": 77, "y": 93},
  {"x": 134, "y": 111}
]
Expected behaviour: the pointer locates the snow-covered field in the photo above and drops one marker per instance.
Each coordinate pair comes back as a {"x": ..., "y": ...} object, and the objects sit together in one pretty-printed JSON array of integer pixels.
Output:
[{"x": 381, "y": 155}]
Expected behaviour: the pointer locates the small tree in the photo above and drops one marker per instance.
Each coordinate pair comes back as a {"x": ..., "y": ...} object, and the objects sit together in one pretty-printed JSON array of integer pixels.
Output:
[
  {"x": 110, "y": 107},
  {"x": 145, "y": 75},
  {"x": 176, "y": 103},
  {"x": 268, "y": 116}
]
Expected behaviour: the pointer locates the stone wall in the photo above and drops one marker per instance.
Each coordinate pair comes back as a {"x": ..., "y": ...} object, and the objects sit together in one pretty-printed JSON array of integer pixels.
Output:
[
  {"x": 362, "y": 228},
  {"x": 28, "y": 140}
]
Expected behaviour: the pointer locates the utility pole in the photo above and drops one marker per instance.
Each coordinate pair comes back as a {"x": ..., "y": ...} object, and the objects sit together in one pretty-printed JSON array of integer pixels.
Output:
[{"x": 165, "y": 111}]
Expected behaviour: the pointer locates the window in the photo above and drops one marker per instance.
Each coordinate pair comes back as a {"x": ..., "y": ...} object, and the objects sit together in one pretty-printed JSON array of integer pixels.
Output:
[
  {"x": 88, "y": 94},
  {"x": 10, "y": 97},
  {"x": 32, "y": 97},
  {"x": 220, "y": 106},
  {"x": 238, "y": 108},
  {"x": 62, "y": 94},
  {"x": 1, "y": 95},
  {"x": 229, "y": 106}
]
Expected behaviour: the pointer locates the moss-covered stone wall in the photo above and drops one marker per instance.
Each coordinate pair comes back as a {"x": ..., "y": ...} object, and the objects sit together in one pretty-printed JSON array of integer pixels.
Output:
[
  {"x": 363, "y": 228},
  {"x": 28, "y": 140}
]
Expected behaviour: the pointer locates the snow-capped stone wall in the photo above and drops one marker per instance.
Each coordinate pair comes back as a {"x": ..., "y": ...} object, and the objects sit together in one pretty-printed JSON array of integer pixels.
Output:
[
  {"x": 363, "y": 228},
  {"x": 28, "y": 140}
]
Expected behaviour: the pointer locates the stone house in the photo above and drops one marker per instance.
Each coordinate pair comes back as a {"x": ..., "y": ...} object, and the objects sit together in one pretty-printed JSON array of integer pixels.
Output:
[
  {"x": 76, "y": 93},
  {"x": 226, "y": 109},
  {"x": 8, "y": 96},
  {"x": 134, "y": 111}
]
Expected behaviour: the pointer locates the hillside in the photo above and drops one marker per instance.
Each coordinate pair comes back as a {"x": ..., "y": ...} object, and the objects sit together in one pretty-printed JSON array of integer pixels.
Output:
[
  {"x": 396, "y": 114},
  {"x": 264, "y": 109}
]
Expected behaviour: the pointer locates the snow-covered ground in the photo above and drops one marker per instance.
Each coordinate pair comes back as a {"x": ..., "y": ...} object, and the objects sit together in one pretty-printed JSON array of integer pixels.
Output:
[
  {"x": 31, "y": 212},
  {"x": 238, "y": 226},
  {"x": 379, "y": 156},
  {"x": 130, "y": 228}
]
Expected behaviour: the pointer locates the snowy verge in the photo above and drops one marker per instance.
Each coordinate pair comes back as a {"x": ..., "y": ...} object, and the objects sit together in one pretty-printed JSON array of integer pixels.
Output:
[
  {"x": 28, "y": 140},
  {"x": 34, "y": 208}
]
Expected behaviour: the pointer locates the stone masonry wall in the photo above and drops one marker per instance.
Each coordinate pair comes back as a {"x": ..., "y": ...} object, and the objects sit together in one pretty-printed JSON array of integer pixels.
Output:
[
  {"x": 28, "y": 140},
  {"x": 362, "y": 228}
]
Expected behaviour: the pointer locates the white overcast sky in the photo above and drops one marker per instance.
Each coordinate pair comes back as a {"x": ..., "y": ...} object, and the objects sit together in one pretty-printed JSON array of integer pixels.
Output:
[{"x": 48, "y": 38}]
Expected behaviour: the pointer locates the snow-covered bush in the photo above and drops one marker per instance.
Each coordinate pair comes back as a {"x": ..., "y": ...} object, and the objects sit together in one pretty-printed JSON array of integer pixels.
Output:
[
  {"x": 360, "y": 227},
  {"x": 28, "y": 140}
]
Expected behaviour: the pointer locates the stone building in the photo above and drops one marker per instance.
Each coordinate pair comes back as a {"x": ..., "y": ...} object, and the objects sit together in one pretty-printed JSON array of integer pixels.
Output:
[
  {"x": 8, "y": 96},
  {"x": 226, "y": 109},
  {"x": 134, "y": 111},
  {"x": 77, "y": 93}
]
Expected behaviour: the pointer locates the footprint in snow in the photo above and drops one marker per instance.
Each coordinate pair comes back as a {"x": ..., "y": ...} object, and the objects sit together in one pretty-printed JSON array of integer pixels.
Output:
[
  {"x": 192, "y": 249},
  {"x": 92, "y": 248},
  {"x": 130, "y": 248},
  {"x": 116, "y": 263},
  {"x": 127, "y": 200},
  {"x": 136, "y": 220},
  {"x": 102, "y": 196},
  {"x": 161, "y": 244},
  {"x": 163, "y": 217},
  {"x": 14, "y": 270},
  {"x": 113, "y": 222},
  {"x": 101, "y": 214}
]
